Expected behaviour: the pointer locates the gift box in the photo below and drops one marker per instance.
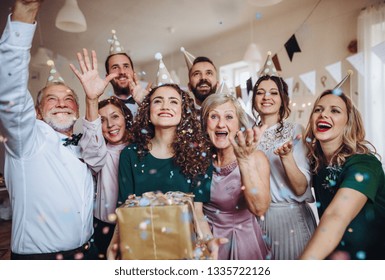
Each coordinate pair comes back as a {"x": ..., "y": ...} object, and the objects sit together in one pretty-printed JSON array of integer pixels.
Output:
[{"x": 158, "y": 226}]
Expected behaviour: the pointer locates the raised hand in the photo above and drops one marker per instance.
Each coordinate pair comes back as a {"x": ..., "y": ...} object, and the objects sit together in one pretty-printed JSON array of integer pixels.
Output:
[
  {"x": 246, "y": 142},
  {"x": 88, "y": 75},
  {"x": 138, "y": 93},
  {"x": 25, "y": 10},
  {"x": 286, "y": 148}
]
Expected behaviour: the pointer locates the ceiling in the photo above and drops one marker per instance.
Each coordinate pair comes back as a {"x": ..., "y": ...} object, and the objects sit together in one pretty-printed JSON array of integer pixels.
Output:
[{"x": 146, "y": 27}]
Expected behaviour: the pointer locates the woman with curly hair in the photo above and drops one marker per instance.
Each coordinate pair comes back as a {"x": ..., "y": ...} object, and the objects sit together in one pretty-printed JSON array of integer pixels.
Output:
[
  {"x": 349, "y": 183},
  {"x": 240, "y": 185},
  {"x": 168, "y": 153},
  {"x": 289, "y": 222},
  {"x": 106, "y": 131}
]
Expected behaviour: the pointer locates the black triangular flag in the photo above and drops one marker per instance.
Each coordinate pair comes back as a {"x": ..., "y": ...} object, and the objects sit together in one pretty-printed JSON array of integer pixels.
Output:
[
  {"x": 292, "y": 47},
  {"x": 249, "y": 85}
]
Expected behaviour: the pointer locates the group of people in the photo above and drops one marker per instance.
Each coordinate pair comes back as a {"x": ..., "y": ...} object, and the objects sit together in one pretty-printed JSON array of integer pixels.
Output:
[{"x": 252, "y": 182}]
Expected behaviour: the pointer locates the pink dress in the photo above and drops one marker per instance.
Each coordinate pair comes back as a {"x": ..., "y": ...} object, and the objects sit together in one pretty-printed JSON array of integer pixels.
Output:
[{"x": 228, "y": 216}]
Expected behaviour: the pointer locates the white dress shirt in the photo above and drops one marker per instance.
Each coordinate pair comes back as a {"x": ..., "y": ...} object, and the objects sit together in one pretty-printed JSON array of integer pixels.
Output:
[{"x": 51, "y": 189}]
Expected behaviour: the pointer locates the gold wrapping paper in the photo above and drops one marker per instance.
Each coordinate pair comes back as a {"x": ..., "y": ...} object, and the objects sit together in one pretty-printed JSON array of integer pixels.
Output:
[{"x": 161, "y": 230}]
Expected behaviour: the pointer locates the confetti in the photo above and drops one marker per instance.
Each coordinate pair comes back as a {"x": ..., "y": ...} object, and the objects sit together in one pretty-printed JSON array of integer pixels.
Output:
[
  {"x": 152, "y": 171},
  {"x": 361, "y": 255},
  {"x": 359, "y": 177},
  {"x": 337, "y": 91}
]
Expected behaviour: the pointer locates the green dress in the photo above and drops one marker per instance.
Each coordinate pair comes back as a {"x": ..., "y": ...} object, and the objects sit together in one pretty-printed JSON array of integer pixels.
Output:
[
  {"x": 364, "y": 238},
  {"x": 151, "y": 174}
]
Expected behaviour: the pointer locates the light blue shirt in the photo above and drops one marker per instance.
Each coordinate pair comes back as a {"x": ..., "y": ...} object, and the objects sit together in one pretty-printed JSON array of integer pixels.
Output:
[{"x": 51, "y": 189}]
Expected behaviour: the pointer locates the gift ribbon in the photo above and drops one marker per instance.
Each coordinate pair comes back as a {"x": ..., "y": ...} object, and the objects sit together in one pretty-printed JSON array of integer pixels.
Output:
[{"x": 153, "y": 234}]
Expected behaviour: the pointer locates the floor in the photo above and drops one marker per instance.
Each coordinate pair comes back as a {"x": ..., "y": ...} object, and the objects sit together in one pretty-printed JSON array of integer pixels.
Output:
[
  {"x": 5, "y": 224},
  {"x": 5, "y": 239}
]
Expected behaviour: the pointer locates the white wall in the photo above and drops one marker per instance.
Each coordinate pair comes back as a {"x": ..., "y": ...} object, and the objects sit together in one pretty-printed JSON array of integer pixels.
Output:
[{"x": 323, "y": 39}]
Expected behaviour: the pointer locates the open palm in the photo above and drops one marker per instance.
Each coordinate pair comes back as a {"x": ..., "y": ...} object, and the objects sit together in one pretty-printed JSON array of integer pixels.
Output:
[{"x": 88, "y": 75}]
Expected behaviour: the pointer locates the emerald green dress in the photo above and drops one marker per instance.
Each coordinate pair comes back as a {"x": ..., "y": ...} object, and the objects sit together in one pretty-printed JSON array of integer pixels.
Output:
[
  {"x": 364, "y": 238},
  {"x": 151, "y": 174}
]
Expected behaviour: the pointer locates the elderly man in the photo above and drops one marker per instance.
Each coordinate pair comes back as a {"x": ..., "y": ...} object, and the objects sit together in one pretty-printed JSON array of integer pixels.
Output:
[{"x": 51, "y": 188}]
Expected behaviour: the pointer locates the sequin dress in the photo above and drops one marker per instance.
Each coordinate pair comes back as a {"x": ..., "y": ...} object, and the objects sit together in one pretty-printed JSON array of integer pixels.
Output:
[{"x": 228, "y": 216}]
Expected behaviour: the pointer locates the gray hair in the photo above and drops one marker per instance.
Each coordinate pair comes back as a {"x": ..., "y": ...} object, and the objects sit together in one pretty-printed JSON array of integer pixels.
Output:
[
  {"x": 215, "y": 100},
  {"x": 40, "y": 94}
]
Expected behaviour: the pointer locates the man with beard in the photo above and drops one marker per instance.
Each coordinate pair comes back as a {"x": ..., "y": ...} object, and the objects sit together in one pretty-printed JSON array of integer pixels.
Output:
[
  {"x": 51, "y": 188},
  {"x": 126, "y": 85},
  {"x": 203, "y": 79}
]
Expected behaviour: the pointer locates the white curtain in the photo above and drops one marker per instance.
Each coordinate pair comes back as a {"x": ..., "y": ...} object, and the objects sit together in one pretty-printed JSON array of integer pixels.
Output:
[{"x": 371, "y": 86}]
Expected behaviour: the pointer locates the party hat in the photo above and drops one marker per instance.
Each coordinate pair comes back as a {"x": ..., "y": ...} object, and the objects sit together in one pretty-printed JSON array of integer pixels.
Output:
[
  {"x": 163, "y": 76},
  {"x": 343, "y": 86},
  {"x": 189, "y": 58},
  {"x": 115, "y": 46},
  {"x": 223, "y": 89},
  {"x": 269, "y": 67},
  {"x": 54, "y": 75}
]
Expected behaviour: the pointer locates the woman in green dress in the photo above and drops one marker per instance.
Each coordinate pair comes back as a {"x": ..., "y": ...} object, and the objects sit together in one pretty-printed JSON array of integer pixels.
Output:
[
  {"x": 348, "y": 182},
  {"x": 169, "y": 152}
]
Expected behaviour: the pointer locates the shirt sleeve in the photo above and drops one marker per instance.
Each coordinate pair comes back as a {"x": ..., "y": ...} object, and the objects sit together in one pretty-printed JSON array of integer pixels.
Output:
[
  {"x": 17, "y": 112},
  {"x": 93, "y": 145},
  {"x": 362, "y": 173}
]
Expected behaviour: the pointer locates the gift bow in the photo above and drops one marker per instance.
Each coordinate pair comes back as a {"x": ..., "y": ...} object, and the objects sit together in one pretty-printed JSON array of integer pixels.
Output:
[{"x": 158, "y": 198}]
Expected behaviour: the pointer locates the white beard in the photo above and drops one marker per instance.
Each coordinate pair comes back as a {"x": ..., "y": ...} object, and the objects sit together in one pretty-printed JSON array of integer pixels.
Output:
[{"x": 60, "y": 122}]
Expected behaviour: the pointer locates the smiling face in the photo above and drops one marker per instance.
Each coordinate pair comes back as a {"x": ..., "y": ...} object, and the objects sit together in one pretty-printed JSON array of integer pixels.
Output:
[
  {"x": 222, "y": 123},
  {"x": 202, "y": 80},
  {"x": 267, "y": 99},
  {"x": 59, "y": 108},
  {"x": 113, "y": 124},
  {"x": 165, "y": 107},
  {"x": 121, "y": 65},
  {"x": 329, "y": 119}
]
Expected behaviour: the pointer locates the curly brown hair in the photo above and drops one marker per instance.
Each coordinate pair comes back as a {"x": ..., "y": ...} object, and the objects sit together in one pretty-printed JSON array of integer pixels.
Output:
[{"x": 191, "y": 148}]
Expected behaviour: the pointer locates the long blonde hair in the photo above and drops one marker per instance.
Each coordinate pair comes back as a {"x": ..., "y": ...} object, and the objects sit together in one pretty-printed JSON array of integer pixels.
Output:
[{"x": 353, "y": 138}]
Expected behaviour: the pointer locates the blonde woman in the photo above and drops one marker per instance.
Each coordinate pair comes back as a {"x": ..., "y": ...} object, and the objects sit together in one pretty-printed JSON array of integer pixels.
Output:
[{"x": 349, "y": 183}]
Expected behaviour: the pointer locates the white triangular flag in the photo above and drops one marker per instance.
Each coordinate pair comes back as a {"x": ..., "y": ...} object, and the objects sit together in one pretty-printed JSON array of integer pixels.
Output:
[
  {"x": 357, "y": 60},
  {"x": 309, "y": 80},
  {"x": 379, "y": 50},
  {"x": 290, "y": 82},
  {"x": 335, "y": 70}
]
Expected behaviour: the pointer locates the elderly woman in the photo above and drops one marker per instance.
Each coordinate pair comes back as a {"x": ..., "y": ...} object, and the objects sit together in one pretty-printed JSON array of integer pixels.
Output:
[{"x": 240, "y": 185}]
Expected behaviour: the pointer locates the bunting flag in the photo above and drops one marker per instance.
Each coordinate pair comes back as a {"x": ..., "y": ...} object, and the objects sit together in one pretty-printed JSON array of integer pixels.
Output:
[
  {"x": 238, "y": 92},
  {"x": 292, "y": 47},
  {"x": 249, "y": 85},
  {"x": 357, "y": 60},
  {"x": 290, "y": 82},
  {"x": 309, "y": 80},
  {"x": 276, "y": 63},
  {"x": 335, "y": 71},
  {"x": 379, "y": 50}
]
